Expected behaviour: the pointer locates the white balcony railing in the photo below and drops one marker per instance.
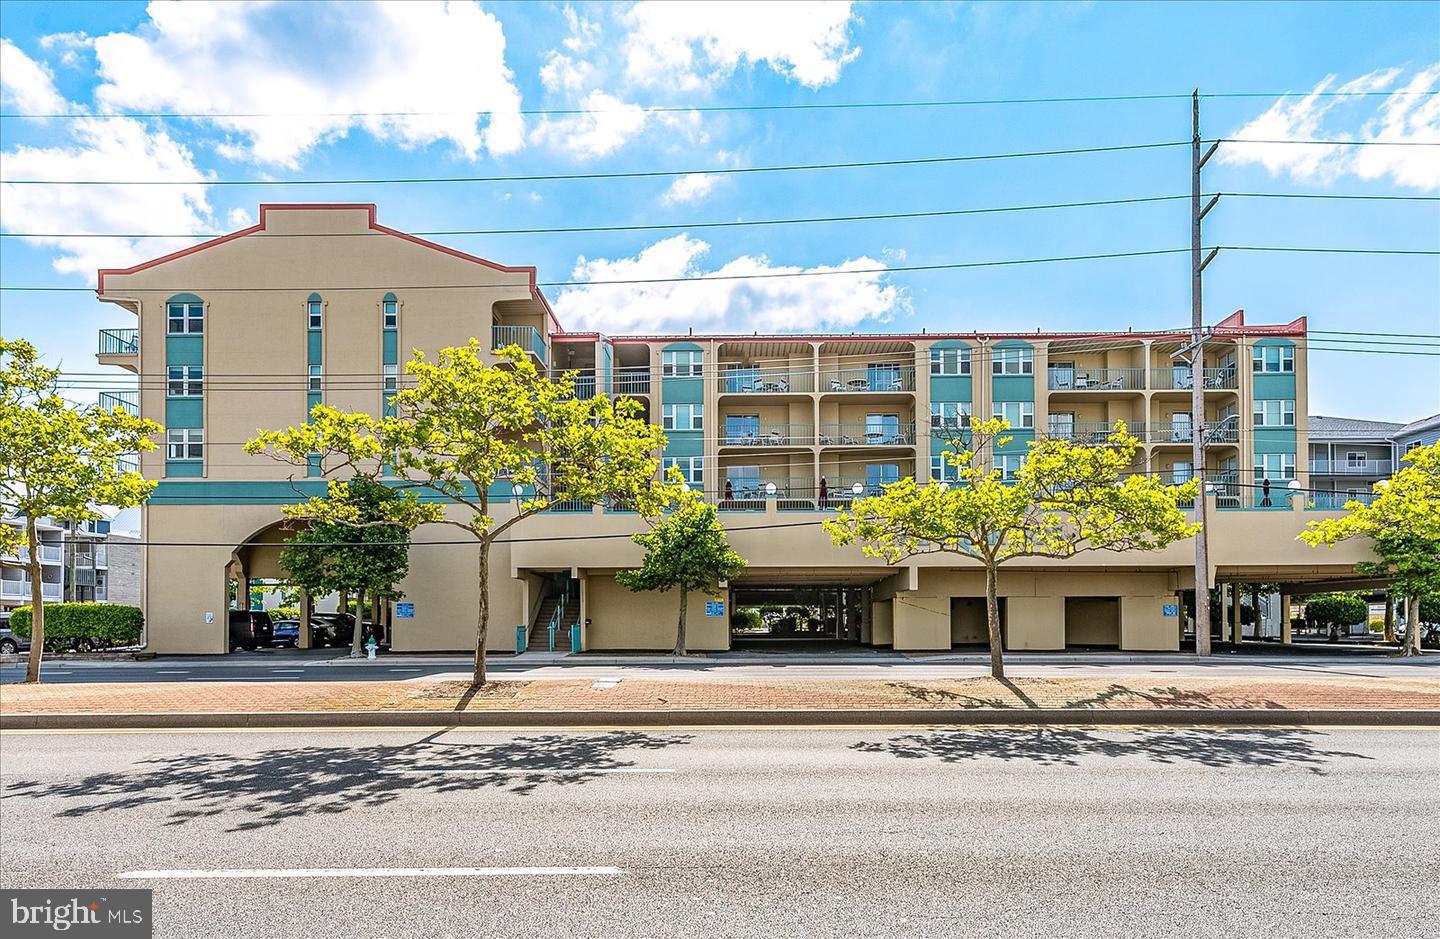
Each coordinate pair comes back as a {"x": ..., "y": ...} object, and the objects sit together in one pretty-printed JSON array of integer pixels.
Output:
[{"x": 1365, "y": 467}]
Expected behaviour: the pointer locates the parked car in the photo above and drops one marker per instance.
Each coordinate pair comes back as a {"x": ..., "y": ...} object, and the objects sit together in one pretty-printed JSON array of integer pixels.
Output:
[
  {"x": 335, "y": 630},
  {"x": 286, "y": 633},
  {"x": 11, "y": 643},
  {"x": 250, "y": 629}
]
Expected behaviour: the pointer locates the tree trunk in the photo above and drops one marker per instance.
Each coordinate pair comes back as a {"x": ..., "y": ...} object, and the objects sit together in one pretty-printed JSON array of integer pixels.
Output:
[
  {"x": 37, "y": 604},
  {"x": 482, "y": 624},
  {"x": 358, "y": 632},
  {"x": 992, "y": 617},
  {"x": 680, "y": 631},
  {"x": 1412, "y": 626},
  {"x": 1255, "y": 611},
  {"x": 1390, "y": 615}
]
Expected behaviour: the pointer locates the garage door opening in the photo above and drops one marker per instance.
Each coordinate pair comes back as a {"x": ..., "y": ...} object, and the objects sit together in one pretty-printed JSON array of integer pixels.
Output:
[
  {"x": 807, "y": 616},
  {"x": 1092, "y": 622},
  {"x": 968, "y": 628}
]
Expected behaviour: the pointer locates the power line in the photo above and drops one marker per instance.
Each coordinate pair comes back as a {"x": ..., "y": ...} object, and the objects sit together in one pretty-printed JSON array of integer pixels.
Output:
[
  {"x": 807, "y": 220},
  {"x": 626, "y": 174},
  {"x": 703, "y": 109}
]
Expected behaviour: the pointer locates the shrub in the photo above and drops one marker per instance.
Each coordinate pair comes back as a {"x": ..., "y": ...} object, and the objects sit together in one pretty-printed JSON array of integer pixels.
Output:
[
  {"x": 111, "y": 623},
  {"x": 284, "y": 612},
  {"x": 1334, "y": 610}
]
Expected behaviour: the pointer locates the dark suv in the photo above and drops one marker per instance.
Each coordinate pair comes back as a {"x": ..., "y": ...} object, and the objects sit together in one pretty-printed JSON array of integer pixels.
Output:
[{"x": 250, "y": 629}]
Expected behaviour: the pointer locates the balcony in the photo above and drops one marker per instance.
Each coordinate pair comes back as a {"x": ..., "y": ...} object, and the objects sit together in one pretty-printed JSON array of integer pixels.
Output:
[
  {"x": 1347, "y": 468},
  {"x": 882, "y": 378},
  {"x": 1179, "y": 378},
  {"x": 128, "y": 462},
  {"x": 751, "y": 434},
  {"x": 51, "y": 553},
  {"x": 119, "y": 347},
  {"x": 766, "y": 381},
  {"x": 1335, "y": 501},
  {"x": 20, "y": 590},
  {"x": 1096, "y": 379},
  {"x": 1092, "y": 433},
  {"x": 1226, "y": 430},
  {"x": 127, "y": 399},
  {"x": 867, "y": 435},
  {"x": 528, "y": 338},
  {"x": 633, "y": 380}
]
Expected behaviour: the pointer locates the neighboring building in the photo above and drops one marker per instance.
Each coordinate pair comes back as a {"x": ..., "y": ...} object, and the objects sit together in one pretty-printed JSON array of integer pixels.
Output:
[
  {"x": 1348, "y": 457},
  {"x": 249, "y": 331},
  {"x": 80, "y": 563},
  {"x": 1422, "y": 433}
]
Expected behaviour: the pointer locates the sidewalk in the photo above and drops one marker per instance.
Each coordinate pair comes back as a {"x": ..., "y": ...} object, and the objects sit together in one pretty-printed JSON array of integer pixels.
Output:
[{"x": 1078, "y": 700}]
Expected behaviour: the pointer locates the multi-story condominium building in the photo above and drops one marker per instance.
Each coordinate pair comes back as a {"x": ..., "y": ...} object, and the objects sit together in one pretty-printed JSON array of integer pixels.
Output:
[
  {"x": 1422, "y": 433},
  {"x": 83, "y": 562},
  {"x": 322, "y": 303},
  {"x": 1348, "y": 457}
]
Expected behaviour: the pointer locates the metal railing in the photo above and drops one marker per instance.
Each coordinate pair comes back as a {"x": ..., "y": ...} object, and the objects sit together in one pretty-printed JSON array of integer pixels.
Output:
[
  {"x": 119, "y": 342},
  {"x": 867, "y": 435},
  {"x": 1096, "y": 379},
  {"x": 1226, "y": 430},
  {"x": 128, "y": 462},
  {"x": 1368, "y": 467},
  {"x": 1179, "y": 378},
  {"x": 125, "y": 398},
  {"x": 766, "y": 381},
  {"x": 528, "y": 338},
  {"x": 20, "y": 589},
  {"x": 51, "y": 552},
  {"x": 1335, "y": 501},
  {"x": 884, "y": 378},
  {"x": 1093, "y": 433},
  {"x": 632, "y": 380},
  {"x": 769, "y": 435}
]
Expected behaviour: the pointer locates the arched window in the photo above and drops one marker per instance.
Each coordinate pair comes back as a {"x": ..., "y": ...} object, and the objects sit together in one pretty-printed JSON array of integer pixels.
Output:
[
  {"x": 314, "y": 311},
  {"x": 390, "y": 312},
  {"x": 185, "y": 314}
]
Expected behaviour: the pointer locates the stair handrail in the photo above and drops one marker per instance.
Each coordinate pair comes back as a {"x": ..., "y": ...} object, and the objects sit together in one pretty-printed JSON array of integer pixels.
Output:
[{"x": 556, "y": 619}]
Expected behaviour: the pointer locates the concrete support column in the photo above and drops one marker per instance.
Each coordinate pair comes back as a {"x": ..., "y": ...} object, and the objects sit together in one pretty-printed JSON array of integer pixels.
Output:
[
  {"x": 307, "y": 607},
  {"x": 1285, "y": 635},
  {"x": 1224, "y": 610},
  {"x": 1237, "y": 623}
]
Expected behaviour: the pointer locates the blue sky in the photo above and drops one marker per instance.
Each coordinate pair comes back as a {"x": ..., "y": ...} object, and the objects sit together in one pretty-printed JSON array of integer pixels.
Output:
[{"x": 614, "y": 59}]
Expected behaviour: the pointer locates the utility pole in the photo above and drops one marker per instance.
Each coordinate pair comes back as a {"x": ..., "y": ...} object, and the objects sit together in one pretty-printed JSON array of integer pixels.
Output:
[{"x": 1197, "y": 378}]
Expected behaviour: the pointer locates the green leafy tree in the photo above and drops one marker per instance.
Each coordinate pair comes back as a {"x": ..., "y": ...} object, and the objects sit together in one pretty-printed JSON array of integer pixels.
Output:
[
  {"x": 1065, "y": 500},
  {"x": 685, "y": 550},
  {"x": 368, "y": 557},
  {"x": 1403, "y": 525},
  {"x": 57, "y": 459},
  {"x": 501, "y": 442},
  {"x": 1332, "y": 611}
]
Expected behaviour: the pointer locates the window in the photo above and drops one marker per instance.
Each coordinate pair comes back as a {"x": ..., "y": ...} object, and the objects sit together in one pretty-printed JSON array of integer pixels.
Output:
[
  {"x": 742, "y": 482},
  {"x": 1181, "y": 473},
  {"x": 691, "y": 467},
  {"x": 949, "y": 416},
  {"x": 390, "y": 313},
  {"x": 683, "y": 417},
  {"x": 184, "y": 318},
  {"x": 1020, "y": 414},
  {"x": 1012, "y": 362},
  {"x": 680, "y": 363},
  {"x": 314, "y": 312},
  {"x": 742, "y": 428},
  {"x": 314, "y": 385},
  {"x": 1412, "y": 445},
  {"x": 1274, "y": 466},
  {"x": 950, "y": 361},
  {"x": 883, "y": 376},
  {"x": 1275, "y": 412},
  {"x": 1062, "y": 424},
  {"x": 391, "y": 379},
  {"x": 185, "y": 443},
  {"x": 1009, "y": 465},
  {"x": 185, "y": 381},
  {"x": 1356, "y": 459},
  {"x": 880, "y": 475},
  {"x": 943, "y": 471},
  {"x": 1272, "y": 359}
]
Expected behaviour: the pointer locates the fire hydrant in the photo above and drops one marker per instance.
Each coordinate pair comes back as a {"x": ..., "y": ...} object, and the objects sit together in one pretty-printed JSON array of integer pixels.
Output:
[{"x": 370, "y": 648}]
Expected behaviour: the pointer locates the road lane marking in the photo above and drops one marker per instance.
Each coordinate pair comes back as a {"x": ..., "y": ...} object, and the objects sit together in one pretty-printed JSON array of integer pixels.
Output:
[
  {"x": 518, "y": 771},
  {"x": 407, "y": 669},
  {"x": 253, "y": 873},
  {"x": 172, "y": 671}
]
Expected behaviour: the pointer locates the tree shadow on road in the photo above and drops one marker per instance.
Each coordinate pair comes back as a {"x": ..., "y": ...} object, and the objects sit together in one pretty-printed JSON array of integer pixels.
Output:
[
  {"x": 1066, "y": 746},
  {"x": 272, "y": 786}
]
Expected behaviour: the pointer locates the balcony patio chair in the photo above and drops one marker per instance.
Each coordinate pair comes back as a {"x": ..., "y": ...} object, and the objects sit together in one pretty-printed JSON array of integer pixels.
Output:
[
  {"x": 1118, "y": 382},
  {"x": 837, "y": 385},
  {"x": 775, "y": 439}
]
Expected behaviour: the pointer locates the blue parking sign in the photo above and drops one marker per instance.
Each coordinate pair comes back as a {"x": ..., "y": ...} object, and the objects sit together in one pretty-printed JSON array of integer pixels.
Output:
[
  {"x": 405, "y": 611},
  {"x": 1170, "y": 609},
  {"x": 714, "y": 607}
]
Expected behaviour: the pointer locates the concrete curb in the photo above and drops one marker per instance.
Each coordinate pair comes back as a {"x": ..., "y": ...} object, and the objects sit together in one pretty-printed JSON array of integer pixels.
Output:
[{"x": 1259, "y": 717}]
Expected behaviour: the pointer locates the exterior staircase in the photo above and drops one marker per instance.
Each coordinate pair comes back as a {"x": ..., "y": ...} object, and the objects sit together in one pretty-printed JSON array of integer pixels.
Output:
[{"x": 538, "y": 639}]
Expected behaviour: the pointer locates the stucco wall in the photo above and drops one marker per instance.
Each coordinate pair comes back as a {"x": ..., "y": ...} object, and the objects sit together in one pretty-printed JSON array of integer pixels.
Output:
[{"x": 622, "y": 619}]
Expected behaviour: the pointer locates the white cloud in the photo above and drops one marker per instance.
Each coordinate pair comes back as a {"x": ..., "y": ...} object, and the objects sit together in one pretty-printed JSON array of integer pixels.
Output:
[
  {"x": 607, "y": 125},
  {"x": 240, "y": 218},
  {"x": 70, "y": 46},
  {"x": 27, "y": 84},
  {"x": 1402, "y": 117},
  {"x": 565, "y": 73},
  {"x": 690, "y": 188},
  {"x": 782, "y": 304},
  {"x": 689, "y": 46},
  {"x": 106, "y": 149},
  {"x": 321, "y": 61}
]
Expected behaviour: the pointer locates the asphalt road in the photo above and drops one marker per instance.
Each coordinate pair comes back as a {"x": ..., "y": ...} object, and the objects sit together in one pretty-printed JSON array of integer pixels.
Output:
[
  {"x": 720, "y": 833},
  {"x": 330, "y": 665}
]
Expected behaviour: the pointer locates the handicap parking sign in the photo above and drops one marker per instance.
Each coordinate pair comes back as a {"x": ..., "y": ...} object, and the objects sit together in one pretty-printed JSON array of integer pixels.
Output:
[
  {"x": 1170, "y": 609},
  {"x": 405, "y": 611},
  {"x": 714, "y": 607}
]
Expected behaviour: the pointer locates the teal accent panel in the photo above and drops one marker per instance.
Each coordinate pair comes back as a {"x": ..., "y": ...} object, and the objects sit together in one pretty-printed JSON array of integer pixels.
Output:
[
  {"x": 682, "y": 390},
  {"x": 184, "y": 412},
  {"x": 312, "y": 298},
  {"x": 683, "y": 345},
  {"x": 952, "y": 388},
  {"x": 606, "y": 367},
  {"x": 313, "y": 467},
  {"x": 685, "y": 443},
  {"x": 389, "y": 347},
  {"x": 312, "y": 347},
  {"x": 388, "y": 404},
  {"x": 950, "y": 344},
  {"x": 1274, "y": 385},
  {"x": 185, "y": 298},
  {"x": 1275, "y": 440},
  {"x": 1012, "y": 387},
  {"x": 183, "y": 468},
  {"x": 1019, "y": 442},
  {"x": 1012, "y": 344},
  {"x": 184, "y": 350},
  {"x": 311, "y": 399},
  {"x": 263, "y": 492}
]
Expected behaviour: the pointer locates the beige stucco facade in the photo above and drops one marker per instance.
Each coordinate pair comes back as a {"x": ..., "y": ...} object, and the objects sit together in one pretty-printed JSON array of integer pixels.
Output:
[{"x": 809, "y": 414}]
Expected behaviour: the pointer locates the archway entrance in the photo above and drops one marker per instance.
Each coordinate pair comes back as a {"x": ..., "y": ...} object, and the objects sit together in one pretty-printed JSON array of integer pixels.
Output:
[{"x": 808, "y": 615}]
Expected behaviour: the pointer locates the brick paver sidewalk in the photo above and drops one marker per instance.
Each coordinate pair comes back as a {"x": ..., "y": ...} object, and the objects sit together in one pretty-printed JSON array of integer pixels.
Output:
[{"x": 757, "y": 694}]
